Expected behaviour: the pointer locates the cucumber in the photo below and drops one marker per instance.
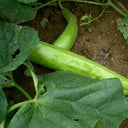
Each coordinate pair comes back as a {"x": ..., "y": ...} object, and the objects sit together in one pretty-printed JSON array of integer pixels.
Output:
[
  {"x": 68, "y": 37},
  {"x": 60, "y": 59}
]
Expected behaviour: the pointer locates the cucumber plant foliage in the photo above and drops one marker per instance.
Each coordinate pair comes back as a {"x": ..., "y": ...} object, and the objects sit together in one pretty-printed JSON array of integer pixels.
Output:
[
  {"x": 72, "y": 101},
  {"x": 62, "y": 99},
  {"x": 16, "y": 43},
  {"x": 16, "y": 12}
]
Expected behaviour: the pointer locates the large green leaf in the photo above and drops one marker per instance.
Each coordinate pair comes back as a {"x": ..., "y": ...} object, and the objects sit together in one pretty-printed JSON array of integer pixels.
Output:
[
  {"x": 16, "y": 44},
  {"x": 106, "y": 95},
  {"x": 27, "y": 1},
  {"x": 15, "y": 11},
  {"x": 3, "y": 105},
  {"x": 45, "y": 116},
  {"x": 74, "y": 101}
]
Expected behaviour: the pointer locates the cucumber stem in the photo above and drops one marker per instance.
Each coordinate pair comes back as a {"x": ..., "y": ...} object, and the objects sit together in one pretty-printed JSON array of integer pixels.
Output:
[
  {"x": 14, "y": 84},
  {"x": 60, "y": 4},
  {"x": 84, "y": 23},
  {"x": 116, "y": 8},
  {"x": 22, "y": 90},
  {"x": 121, "y": 6},
  {"x": 15, "y": 106},
  {"x": 87, "y": 2},
  {"x": 46, "y": 4}
]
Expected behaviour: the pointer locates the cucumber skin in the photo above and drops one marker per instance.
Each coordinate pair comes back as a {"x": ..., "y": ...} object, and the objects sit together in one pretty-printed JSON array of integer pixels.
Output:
[
  {"x": 68, "y": 37},
  {"x": 58, "y": 59}
]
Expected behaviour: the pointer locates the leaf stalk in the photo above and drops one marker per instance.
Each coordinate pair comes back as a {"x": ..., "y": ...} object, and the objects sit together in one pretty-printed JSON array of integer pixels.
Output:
[
  {"x": 15, "y": 106},
  {"x": 14, "y": 84}
]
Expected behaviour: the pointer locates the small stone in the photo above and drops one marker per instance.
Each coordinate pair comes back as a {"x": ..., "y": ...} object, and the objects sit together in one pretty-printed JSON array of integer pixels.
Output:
[
  {"x": 44, "y": 23},
  {"x": 88, "y": 40}
]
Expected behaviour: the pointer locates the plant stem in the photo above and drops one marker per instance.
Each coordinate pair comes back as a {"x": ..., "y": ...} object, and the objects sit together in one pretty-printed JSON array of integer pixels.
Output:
[
  {"x": 43, "y": 5},
  {"x": 14, "y": 84},
  {"x": 22, "y": 90},
  {"x": 116, "y": 8},
  {"x": 19, "y": 88},
  {"x": 87, "y": 2},
  {"x": 7, "y": 86},
  {"x": 81, "y": 24},
  {"x": 15, "y": 106},
  {"x": 121, "y": 6},
  {"x": 80, "y": 1},
  {"x": 60, "y": 4}
]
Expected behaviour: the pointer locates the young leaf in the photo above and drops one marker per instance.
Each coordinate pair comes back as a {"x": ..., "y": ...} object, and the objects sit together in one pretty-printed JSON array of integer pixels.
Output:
[
  {"x": 3, "y": 105},
  {"x": 74, "y": 101},
  {"x": 27, "y": 1},
  {"x": 16, "y": 12},
  {"x": 124, "y": 29},
  {"x": 16, "y": 44},
  {"x": 125, "y": 20}
]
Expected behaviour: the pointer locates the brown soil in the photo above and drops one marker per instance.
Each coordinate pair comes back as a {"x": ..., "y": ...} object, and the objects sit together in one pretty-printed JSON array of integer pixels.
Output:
[{"x": 105, "y": 44}]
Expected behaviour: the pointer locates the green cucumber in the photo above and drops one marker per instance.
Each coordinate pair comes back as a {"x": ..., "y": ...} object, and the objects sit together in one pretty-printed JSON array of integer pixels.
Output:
[
  {"x": 60, "y": 59},
  {"x": 67, "y": 38}
]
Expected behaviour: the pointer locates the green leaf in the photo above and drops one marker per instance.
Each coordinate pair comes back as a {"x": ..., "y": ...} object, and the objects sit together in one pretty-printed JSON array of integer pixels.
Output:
[
  {"x": 125, "y": 20},
  {"x": 16, "y": 12},
  {"x": 90, "y": 17},
  {"x": 124, "y": 29},
  {"x": 106, "y": 95},
  {"x": 66, "y": 115},
  {"x": 74, "y": 101},
  {"x": 100, "y": 124},
  {"x": 27, "y": 1},
  {"x": 3, "y": 105},
  {"x": 16, "y": 44}
]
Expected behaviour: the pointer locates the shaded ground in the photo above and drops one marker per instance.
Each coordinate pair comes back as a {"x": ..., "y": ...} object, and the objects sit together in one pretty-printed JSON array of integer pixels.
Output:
[{"x": 104, "y": 45}]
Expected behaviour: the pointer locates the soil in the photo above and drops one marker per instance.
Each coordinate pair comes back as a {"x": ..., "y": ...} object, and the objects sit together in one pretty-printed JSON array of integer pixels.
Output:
[{"x": 105, "y": 44}]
